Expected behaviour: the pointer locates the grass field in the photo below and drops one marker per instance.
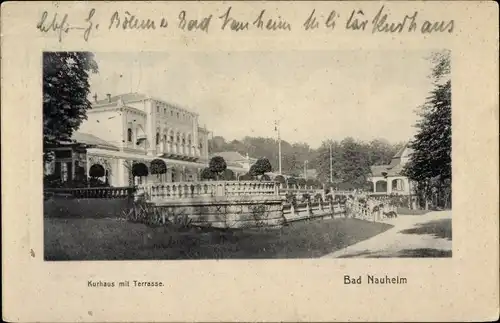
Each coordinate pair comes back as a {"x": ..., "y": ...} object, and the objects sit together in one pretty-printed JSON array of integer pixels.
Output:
[{"x": 111, "y": 239}]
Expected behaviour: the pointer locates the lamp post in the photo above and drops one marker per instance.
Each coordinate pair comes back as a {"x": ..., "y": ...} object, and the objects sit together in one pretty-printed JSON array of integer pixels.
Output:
[
  {"x": 331, "y": 164},
  {"x": 305, "y": 169},
  {"x": 277, "y": 129}
]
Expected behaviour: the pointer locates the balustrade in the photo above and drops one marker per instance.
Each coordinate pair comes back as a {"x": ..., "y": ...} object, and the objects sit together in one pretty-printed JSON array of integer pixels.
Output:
[
  {"x": 94, "y": 192},
  {"x": 179, "y": 190}
]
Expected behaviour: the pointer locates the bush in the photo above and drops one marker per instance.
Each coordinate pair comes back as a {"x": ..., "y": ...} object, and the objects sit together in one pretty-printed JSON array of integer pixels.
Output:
[
  {"x": 228, "y": 175},
  {"x": 301, "y": 182},
  {"x": 217, "y": 165},
  {"x": 280, "y": 179},
  {"x": 261, "y": 166},
  {"x": 306, "y": 197},
  {"x": 140, "y": 170},
  {"x": 292, "y": 181},
  {"x": 207, "y": 174},
  {"x": 265, "y": 178},
  {"x": 312, "y": 183},
  {"x": 96, "y": 170},
  {"x": 246, "y": 177},
  {"x": 318, "y": 197},
  {"x": 158, "y": 166}
]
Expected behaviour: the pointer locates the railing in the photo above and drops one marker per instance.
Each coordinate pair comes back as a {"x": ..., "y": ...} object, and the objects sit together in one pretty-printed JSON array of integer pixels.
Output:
[
  {"x": 92, "y": 192},
  {"x": 180, "y": 190}
]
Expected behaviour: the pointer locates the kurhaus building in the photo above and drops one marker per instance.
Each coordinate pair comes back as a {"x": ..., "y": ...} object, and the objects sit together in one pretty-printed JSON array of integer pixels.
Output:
[{"x": 135, "y": 128}]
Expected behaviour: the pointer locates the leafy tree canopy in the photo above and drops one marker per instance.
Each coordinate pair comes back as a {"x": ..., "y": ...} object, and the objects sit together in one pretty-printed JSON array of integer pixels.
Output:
[
  {"x": 158, "y": 166},
  {"x": 96, "y": 170},
  {"x": 217, "y": 165},
  {"x": 246, "y": 177},
  {"x": 65, "y": 93},
  {"x": 228, "y": 175},
  {"x": 280, "y": 179},
  {"x": 207, "y": 174},
  {"x": 140, "y": 170}
]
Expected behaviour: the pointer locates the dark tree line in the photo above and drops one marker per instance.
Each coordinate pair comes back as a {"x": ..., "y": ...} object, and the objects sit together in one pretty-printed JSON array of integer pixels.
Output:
[
  {"x": 351, "y": 158},
  {"x": 430, "y": 165}
]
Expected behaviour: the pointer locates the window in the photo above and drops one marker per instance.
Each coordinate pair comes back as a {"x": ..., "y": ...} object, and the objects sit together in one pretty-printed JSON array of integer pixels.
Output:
[
  {"x": 157, "y": 108},
  {"x": 171, "y": 113},
  {"x": 183, "y": 141},
  {"x": 129, "y": 135},
  {"x": 165, "y": 111},
  {"x": 177, "y": 115},
  {"x": 178, "y": 138},
  {"x": 164, "y": 138},
  {"x": 157, "y": 138},
  {"x": 201, "y": 145},
  {"x": 171, "y": 137}
]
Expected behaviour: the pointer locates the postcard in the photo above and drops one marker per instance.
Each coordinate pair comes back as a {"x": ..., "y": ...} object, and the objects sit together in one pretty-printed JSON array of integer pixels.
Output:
[{"x": 282, "y": 161}]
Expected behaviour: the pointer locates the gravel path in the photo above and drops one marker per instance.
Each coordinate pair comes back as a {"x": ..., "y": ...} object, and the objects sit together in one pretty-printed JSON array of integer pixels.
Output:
[{"x": 426, "y": 235}]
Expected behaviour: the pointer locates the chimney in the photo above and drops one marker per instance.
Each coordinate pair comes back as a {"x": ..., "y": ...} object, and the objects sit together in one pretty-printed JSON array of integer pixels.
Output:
[{"x": 109, "y": 97}]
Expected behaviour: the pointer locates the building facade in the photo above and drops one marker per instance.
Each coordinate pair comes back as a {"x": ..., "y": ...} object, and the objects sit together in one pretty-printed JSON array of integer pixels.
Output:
[
  {"x": 388, "y": 179},
  {"x": 134, "y": 128}
]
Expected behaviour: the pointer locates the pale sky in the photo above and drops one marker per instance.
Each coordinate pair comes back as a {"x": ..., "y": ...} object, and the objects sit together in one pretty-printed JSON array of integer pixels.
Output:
[{"x": 316, "y": 95}]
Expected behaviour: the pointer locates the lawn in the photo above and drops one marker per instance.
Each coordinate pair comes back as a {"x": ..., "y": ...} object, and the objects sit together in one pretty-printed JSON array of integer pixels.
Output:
[{"x": 112, "y": 239}]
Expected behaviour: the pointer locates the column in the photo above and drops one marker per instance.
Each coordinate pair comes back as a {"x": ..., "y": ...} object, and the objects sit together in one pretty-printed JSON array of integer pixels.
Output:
[
  {"x": 195, "y": 136},
  {"x": 150, "y": 127},
  {"x": 121, "y": 174},
  {"x": 389, "y": 185}
]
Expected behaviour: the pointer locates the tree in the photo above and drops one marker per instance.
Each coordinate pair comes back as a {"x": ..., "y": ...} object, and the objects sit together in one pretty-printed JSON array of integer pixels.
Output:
[
  {"x": 158, "y": 167},
  {"x": 65, "y": 94},
  {"x": 207, "y": 174},
  {"x": 140, "y": 170},
  {"x": 265, "y": 178},
  {"x": 96, "y": 170},
  {"x": 261, "y": 166},
  {"x": 430, "y": 163},
  {"x": 217, "y": 165},
  {"x": 246, "y": 177},
  {"x": 280, "y": 179},
  {"x": 228, "y": 175},
  {"x": 292, "y": 181},
  {"x": 301, "y": 182}
]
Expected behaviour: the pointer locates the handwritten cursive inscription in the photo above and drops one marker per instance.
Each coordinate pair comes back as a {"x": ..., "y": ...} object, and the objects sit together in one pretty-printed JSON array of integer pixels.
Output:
[
  {"x": 356, "y": 21},
  {"x": 193, "y": 24},
  {"x": 271, "y": 24},
  {"x": 130, "y": 21},
  {"x": 231, "y": 23},
  {"x": 61, "y": 26},
  {"x": 380, "y": 23},
  {"x": 56, "y": 24}
]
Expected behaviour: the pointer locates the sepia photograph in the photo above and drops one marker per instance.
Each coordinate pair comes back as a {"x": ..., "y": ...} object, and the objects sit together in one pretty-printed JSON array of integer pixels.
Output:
[
  {"x": 254, "y": 161},
  {"x": 247, "y": 155}
]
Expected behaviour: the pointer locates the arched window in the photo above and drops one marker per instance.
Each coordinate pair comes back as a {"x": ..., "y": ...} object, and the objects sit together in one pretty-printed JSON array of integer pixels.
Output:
[
  {"x": 129, "y": 135},
  {"x": 171, "y": 137},
  {"x": 157, "y": 138},
  {"x": 164, "y": 138},
  {"x": 178, "y": 138},
  {"x": 183, "y": 141}
]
